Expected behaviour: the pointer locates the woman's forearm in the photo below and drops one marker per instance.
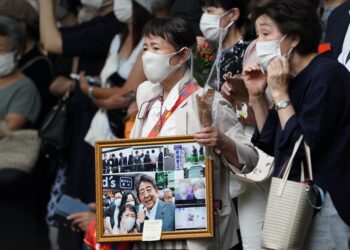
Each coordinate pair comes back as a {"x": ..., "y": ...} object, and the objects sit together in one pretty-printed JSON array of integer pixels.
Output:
[
  {"x": 102, "y": 93},
  {"x": 261, "y": 110},
  {"x": 49, "y": 34},
  {"x": 61, "y": 85},
  {"x": 286, "y": 113},
  {"x": 228, "y": 150}
]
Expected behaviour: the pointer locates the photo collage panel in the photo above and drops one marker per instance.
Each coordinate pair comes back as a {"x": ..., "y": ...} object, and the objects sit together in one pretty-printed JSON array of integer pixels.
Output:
[{"x": 154, "y": 182}]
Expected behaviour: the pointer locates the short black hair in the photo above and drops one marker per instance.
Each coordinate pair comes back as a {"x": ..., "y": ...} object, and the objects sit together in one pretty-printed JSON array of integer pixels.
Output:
[
  {"x": 174, "y": 30},
  {"x": 227, "y": 5},
  {"x": 139, "y": 18},
  {"x": 125, "y": 198},
  {"x": 145, "y": 178},
  {"x": 123, "y": 209},
  {"x": 117, "y": 191},
  {"x": 294, "y": 17}
]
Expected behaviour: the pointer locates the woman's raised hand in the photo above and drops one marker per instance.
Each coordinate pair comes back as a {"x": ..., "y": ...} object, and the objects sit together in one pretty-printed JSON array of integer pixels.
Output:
[
  {"x": 123, "y": 227},
  {"x": 254, "y": 79},
  {"x": 208, "y": 137},
  {"x": 227, "y": 92},
  {"x": 277, "y": 77}
]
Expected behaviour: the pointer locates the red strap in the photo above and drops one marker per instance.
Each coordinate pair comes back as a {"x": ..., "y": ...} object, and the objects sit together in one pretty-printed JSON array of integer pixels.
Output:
[
  {"x": 323, "y": 47},
  {"x": 190, "y": 88}
]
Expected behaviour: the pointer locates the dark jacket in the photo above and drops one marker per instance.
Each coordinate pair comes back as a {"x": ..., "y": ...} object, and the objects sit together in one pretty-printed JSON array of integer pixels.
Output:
[
  {"x": 319, "y": 95},
  {"x": 337, "y": 27}
]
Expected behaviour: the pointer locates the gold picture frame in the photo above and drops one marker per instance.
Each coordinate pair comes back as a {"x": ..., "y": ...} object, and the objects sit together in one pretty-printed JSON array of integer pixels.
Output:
[{"x": 177, "y": 163}]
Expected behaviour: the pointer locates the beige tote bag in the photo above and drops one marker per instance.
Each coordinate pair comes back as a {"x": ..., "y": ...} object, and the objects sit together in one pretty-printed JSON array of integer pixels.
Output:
[
  {"x": 19, "y": 149},
  {"x": 288, "y": 213}
]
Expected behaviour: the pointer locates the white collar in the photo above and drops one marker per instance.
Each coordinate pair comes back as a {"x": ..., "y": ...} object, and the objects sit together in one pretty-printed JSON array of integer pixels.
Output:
[
  {"x": 152, "y": 213},
  {"x": 156, "y": 89}
]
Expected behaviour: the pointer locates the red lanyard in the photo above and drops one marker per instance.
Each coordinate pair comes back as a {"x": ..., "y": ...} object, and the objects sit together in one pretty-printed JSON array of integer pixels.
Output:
[{"x": 190, "y": 89}]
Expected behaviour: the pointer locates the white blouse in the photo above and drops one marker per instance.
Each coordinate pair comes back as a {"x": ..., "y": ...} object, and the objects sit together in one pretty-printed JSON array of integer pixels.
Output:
[
  {"x": 169, "y": 127},
  {"x": 115, "y": 64}
]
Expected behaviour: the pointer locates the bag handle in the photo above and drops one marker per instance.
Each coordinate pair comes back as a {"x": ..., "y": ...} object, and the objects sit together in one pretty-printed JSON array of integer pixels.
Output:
[
  {"x": 288, "y": 167},
  {"x": 316, "y": 188},
  {"x": 312, "y": 186},
  {"x": 308, "y": 160}
]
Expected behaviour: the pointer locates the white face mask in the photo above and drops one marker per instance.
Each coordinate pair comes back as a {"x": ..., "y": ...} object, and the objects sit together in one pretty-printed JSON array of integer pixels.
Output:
[
  {"x": 95, "y": 3},
  {"x": 117, "y": 202},
  {"x": 210, "y": 27},
  {"x": 129, "y": 223},
  {"x": 266, "y": 51},
  {"x": 132, "y": 203},
  {"x": 123, "y": 10},
  {"x": 199, "y": 193},
  {"x": 157, "y": 66},
  {"x": 7, "y": 63}
]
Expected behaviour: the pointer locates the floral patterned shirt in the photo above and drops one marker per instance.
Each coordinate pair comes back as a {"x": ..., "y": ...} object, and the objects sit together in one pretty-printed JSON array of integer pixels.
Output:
[{"x": 231, "y": 60}]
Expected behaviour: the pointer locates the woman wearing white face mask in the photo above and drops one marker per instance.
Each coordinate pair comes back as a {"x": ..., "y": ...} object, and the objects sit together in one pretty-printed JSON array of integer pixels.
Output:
[
  {"x": 167, "y": 106},
  {"x": 20, "y": 102},
  {"x": 310, "y": 93},
  {"x": 127, "y": 219},
  {"x": 114, "y": 211},
  {"x": 124, "y": 58},
  {"x": 19, "y": 108},
  {"x": 199, "y": 189},
  {"x": 224, "y": 24},
  {"x": 127, "y": 199}
]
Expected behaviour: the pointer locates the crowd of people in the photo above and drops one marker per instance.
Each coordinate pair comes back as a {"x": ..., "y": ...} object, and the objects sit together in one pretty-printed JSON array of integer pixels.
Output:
[
  {"x": 147, "y": 161},
  {"x": 134, "y": 63}
]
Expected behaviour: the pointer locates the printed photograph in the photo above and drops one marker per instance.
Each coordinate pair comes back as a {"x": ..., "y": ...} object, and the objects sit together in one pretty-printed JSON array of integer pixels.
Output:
[{"x": 166, "y": 181}]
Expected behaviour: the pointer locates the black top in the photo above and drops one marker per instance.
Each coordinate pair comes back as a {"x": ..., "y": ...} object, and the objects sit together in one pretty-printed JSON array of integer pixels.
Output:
[
  {"x": 231, "y": 59},
  {"x": 36, "y": 66},
  {"x": 90, "y": 41},
  {"x": 319, "y": 95},
  {"x": 191, "y": 11},
  {"x": 337, "y": 25}
]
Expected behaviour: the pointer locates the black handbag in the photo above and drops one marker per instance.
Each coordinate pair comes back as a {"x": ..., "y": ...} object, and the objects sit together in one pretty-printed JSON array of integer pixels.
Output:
[{"x": 53, "y": 130}]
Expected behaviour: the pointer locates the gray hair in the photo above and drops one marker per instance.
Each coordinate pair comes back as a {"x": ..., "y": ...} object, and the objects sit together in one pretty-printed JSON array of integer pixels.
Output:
[
  {"x": 167, "y": 190},
  {"x": 163, "y": 192},
  {"x": 12, "y": 29}
]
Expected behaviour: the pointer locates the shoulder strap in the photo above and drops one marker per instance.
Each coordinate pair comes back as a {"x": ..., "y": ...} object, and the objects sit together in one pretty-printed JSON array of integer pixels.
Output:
[
  {"x": 185, "y": 93},
  {"x": 34, "y": 60}
]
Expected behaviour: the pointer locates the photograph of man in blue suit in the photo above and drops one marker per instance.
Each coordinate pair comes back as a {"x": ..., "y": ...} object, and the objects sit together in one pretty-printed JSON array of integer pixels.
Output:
[{"x": 154, "y": 208}]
